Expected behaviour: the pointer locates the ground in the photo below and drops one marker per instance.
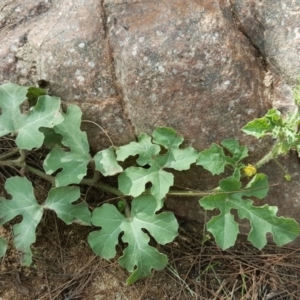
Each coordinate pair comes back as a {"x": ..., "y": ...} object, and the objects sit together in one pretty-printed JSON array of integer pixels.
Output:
[{"x": 64, "y": 268}]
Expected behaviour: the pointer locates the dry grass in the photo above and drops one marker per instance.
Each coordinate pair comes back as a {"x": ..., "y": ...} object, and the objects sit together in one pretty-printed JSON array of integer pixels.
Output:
[
  {"x": 65, "y": 268},
  {"x": 240, "y": 273}
]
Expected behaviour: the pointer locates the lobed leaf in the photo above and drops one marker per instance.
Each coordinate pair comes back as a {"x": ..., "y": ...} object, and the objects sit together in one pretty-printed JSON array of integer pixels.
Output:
[
  {"x": 138, "y": 257},
  {"x": 134, "y": 179},
  {"x": 74, "y": 160},
  {"x": 167, "y": 137},
  {"x": 144, "y": 148},
  {"x": 179, "y": 159},
  {"x": 23, "y": 203},
  {"x": 213, "y": 159},
  {"x": 262, "y": 219},
  {"x": 261, "y": 126},
  {"x": 238, "y": 152},
  {"x": 46, "y": 113},
  {"x": 60, "y": 200}
]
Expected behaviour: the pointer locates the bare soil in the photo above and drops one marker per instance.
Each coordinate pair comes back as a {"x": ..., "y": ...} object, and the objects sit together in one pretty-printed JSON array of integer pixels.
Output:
[{"x": 64, "y": 267}]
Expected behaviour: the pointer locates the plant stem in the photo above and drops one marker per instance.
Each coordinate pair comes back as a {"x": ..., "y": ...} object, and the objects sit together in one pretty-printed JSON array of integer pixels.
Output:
[
  {"x": 269, "y": 156},
  {"x": 102, "y": 186},
  {"x": 189, "y": 193},
  {"x": 127, "y": 209},
  {"x": 41, "y": 174},
  {"x": 9, "y": 154}
]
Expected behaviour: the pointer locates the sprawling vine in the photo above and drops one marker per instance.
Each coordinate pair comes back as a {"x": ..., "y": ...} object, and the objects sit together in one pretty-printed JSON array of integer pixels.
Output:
[{"x": 43, "y": 125}]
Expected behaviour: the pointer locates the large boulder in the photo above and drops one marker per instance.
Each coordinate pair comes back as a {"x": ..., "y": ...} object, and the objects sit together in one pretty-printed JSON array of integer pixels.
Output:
[{"x": 183, "y": 64}]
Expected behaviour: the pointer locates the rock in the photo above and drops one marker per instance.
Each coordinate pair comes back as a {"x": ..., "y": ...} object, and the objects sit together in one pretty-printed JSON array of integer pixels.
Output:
[
  {"x": 185, "y": 66},
  {"x": 273, "y": 29},
  {"x": 64, "y": 46},
  {"x": 205, "y": 68}
]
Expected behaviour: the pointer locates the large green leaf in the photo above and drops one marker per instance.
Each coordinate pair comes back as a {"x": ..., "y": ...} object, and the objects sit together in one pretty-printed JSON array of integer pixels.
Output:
[
  {"x": 138, "y": 257},
  {"x": 46, "y": 113},
  {"x": 262, "y": 219},
  {"x": 73, "y": 160},
  {"x": 60, "y": 200},
  {"x": 134, "y": 179},
  {"x": 23, "y": 203}
]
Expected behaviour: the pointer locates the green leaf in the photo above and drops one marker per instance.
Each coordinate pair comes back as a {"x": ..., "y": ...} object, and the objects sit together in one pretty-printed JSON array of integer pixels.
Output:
[
  {"x": 230, "y": 184},
  {"x": 261, "y": 126},
  {"x": 60, "y": 200},
  {"x": 167, "y": 137},
  {"x": 106, "y": 162},
  {"x": 74, "y": 161},
  {"x": 262, "y": 219},
  {"x": 134, "y": 179},
  {"x": 178, "y": 159},
  {"x": 23, "y": 203},
  {"x": 223, "y": 226},
  {"x": 51, "y": 137},
  {"x": 144, "y": 148},
  {"x": 45, "y": 114},
  {"x": 213, "y": 159},
  {"x": 238, "y": 152},
  {"x": 33, "y": 95},
  {"x": 3, "y": 246},
  {"x": 138, "y": 257},
  {"x": 258, "y": 187}
]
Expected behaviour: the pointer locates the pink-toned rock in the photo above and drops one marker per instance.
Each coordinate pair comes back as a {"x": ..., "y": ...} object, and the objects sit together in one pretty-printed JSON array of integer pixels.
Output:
[{"x": 182, "y": 64}]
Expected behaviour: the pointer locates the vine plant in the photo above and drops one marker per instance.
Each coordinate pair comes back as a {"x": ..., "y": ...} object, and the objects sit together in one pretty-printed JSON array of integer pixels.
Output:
[{"x": 143, "y": 187}]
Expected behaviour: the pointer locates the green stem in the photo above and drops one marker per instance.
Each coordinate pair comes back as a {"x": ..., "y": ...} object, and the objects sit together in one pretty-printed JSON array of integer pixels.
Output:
[
  {"x": 127, "y": 209},
  {"x": 279, "y": 165},
  {"x": 269, "y": 156},
  {"x": 9, "y": 154},
  {"x": 102, "y": 186},
  {"x": 19, "y": 162},
  {"x": 41, "y": 174},
  {"x": 189, "y": 193}
]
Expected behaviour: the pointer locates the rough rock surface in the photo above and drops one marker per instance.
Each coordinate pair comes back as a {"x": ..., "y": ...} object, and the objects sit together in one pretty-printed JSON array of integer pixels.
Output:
[
  {"x": 185, "y": 65},
  {"x": 204, "y": 68},
  {"x": 62, "y": 45}
]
